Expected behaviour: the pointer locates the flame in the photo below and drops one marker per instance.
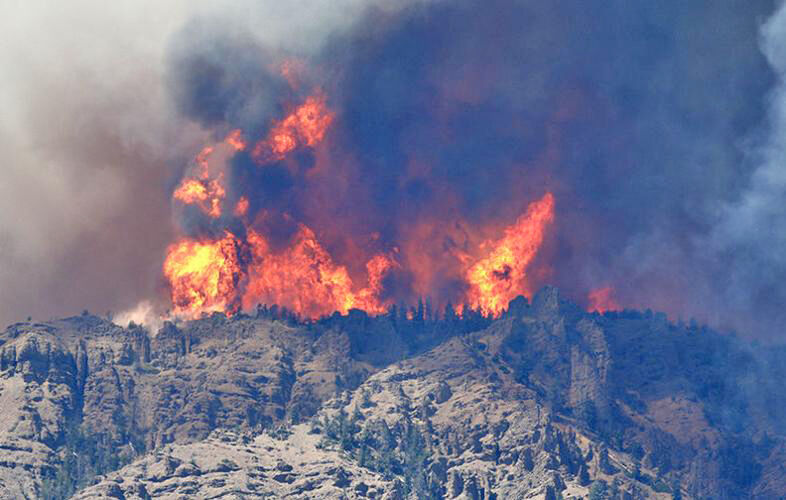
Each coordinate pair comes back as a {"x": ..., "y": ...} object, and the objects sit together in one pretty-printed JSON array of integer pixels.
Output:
[
  {"x": 203, "y": 189},
  {"x": 206, "y": 194},
  {"x": 306, "y": 280},
  {"x": 203, "y": 276},
  {"x": 241, "y": 207},
  {"x": 191, "y": 191},
  {"x": 206, "y": 276},
  {"x": 602, "y": 300},
  {"x": 202, "y": 162},
  {"x": 305, "y": 126},
  {"x": 501, "y": 275},
  {"x": 368, "y": 298},
  {"x": 242, "y": 268},
  {"x": 235, "y": 140}
]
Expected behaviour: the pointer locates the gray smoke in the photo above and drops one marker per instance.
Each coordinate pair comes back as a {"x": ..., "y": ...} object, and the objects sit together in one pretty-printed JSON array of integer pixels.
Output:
[
  {"x": 751, "y": 233},
  {"x": 659, "y": 127},
  {"x": 92, "y": 142}
]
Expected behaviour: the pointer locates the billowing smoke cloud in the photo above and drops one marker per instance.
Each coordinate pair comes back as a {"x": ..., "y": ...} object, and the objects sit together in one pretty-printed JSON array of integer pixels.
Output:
[
  {"x": 653, "y": 124},
  {"x": 642, "y": 119},
  {"x": 92, "y": 141},
  {"x": 750, "y": 237},
  {"x": 85, "y": 134}
]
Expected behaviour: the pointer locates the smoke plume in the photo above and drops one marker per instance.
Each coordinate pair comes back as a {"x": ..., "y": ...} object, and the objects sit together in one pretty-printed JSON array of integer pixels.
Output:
[{"x": 397, "y": 147}]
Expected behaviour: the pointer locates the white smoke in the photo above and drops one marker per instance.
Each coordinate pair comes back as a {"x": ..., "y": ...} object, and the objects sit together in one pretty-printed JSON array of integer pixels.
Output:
[
  {"x": 753, "y": 228},
  {"x": 145, "y": 314}
]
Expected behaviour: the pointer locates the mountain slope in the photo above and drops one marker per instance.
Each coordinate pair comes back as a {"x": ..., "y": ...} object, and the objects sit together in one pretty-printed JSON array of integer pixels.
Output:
[{"x": 547, "y": 401}]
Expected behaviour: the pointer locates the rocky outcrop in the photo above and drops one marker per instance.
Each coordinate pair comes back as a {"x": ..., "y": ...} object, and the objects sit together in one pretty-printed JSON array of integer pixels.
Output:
[
  {"x": 39, "y": 397},
  {"x": 230, "y": 464}
]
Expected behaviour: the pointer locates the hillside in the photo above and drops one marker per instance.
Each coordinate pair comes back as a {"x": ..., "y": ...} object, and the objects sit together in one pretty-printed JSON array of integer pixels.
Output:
[{"x": 547, "y": 401}]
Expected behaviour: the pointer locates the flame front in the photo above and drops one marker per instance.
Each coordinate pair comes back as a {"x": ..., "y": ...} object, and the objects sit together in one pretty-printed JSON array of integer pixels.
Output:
[
  {"x": 243, "y": 268},
  {"x": 305, "y": 278},
  {"x": 203, "y": 276},
  {"x": 501, "y": 275}
]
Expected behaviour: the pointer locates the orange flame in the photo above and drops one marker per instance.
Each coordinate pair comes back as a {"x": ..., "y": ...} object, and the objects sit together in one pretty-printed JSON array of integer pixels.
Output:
[
  {"x": 235, "y": 139},
  {"x": 210, "y": 275},
  {"x": 305, "y": 278},
  {"x": 203, "y": 189},
  {"x": 206, "y": 194},
  {"x": 368, "y": 298},
  {"x": 501, "y": 275},
  {"x": 241, "y": 208},
  {"x": 191, "y": 191},
  {"x": 305, "y": 126},
  {"x": 201, "y": 160},
  {"x": 203, "y": 276},
  {"x": 602, "y": 300}
]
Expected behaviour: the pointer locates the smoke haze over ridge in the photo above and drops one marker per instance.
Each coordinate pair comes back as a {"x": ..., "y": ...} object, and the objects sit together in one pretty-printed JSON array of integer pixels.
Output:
[{"x": 657, "y": 127}]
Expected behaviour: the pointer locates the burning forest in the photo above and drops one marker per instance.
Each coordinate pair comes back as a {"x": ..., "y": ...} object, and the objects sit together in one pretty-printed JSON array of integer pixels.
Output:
[
  {"x": 398, "y": 163},
  {"x": 464, "y": 152},
  {"x": 237, "y": 258},
  {"x": 373, "y": 249}
]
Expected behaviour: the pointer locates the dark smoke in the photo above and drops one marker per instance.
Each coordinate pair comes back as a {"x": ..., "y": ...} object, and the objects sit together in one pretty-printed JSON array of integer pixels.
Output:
[
  {"x": 91, "y": 143},
  {"x": 657, "y": 125},
  {"x": 640, "y": 117}
]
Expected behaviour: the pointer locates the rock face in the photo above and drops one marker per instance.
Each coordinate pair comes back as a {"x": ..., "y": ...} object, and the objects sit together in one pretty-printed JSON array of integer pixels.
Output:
[
  {"x": 235, "y": 466},
  {"x": 546, "y": 402}
]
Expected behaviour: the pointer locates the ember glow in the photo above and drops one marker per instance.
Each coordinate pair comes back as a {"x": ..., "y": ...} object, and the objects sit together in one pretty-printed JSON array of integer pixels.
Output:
[{"x": 602, "y": 300}]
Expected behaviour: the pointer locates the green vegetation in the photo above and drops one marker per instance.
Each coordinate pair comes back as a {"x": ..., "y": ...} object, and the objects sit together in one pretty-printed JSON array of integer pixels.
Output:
[
  {"x": 599, "y": 490},
  {"x": 399, "y": 452},
  {"x": 84, "y": 456}
]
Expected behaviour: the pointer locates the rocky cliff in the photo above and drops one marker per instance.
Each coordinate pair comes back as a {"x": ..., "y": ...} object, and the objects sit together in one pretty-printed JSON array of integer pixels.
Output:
[{"x": 545, "y": 402}]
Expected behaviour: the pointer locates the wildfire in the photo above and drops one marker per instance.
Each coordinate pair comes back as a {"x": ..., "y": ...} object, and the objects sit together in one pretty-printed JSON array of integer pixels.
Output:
[
  {"x": 191, "y": 191},
  {"x": 203, "y": 187},
  {"x": 203, "y": 276},
  {"x": 602, "y": 300},
  {"x": 368, "y": 298},
  {"x": 202, "y": 162},
  {"x": 235, "y": 140},
  {"x": 242, "y": 268},
  {"x": 206, "y": 276},
  {"x": 305, "y": 126},
  {"x": 305, "y": 278},
  {"x": 501, "y": 275},
  {"x": 206, "y": 194},
  {"x": 241, "y": 207}
]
